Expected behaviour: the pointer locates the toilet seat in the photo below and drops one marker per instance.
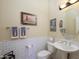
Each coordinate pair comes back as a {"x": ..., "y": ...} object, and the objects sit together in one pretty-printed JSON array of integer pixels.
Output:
[{"x": 44, "y": 53}]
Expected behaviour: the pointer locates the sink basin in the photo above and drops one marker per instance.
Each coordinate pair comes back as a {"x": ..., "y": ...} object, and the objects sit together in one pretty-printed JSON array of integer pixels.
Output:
[{"x": 66, "y": 46}]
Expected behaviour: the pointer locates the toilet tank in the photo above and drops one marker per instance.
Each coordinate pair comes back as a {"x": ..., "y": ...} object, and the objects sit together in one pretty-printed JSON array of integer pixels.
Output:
[{"x": 50, "y": 47}]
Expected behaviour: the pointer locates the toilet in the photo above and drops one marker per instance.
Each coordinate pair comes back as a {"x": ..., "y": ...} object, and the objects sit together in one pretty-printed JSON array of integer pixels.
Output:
[{"x": 45, "y": 54}]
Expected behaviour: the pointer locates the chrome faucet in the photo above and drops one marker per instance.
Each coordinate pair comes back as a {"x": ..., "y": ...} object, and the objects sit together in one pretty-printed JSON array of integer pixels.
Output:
[{"x": 67, "y": 43}]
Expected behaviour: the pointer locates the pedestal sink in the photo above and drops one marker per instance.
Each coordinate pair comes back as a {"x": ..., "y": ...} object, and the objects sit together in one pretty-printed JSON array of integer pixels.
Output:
[{"x": 66, "y": 46}]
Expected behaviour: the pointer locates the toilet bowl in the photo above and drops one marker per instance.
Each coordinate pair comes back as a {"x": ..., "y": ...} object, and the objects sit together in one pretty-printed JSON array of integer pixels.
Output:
[{"x": 45, "y": 54}]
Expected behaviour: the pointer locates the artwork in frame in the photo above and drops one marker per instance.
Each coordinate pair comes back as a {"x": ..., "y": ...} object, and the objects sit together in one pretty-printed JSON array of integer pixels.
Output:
[
  {"x": 61, "y": 26},
  {"x": 61, "y": 23},
  {"x": 22, "y": 32},
  {"x": 28, "y": 19},
  {"x": 53, "y": 25},
  {"x": 14, "y": 32}
]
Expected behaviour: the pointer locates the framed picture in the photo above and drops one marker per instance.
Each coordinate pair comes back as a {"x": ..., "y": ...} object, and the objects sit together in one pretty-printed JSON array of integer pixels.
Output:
[
  {"x": 53, "y": 24},
  {"x": 61, "y": 23},
  {"x": 22, "y": 32},
  {"x": 14, "y": 32},
  {"x": 28, "y": 19}
]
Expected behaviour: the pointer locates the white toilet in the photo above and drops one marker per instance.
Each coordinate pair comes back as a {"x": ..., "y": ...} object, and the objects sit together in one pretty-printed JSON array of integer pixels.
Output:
[{"x": 45, "y": 54}]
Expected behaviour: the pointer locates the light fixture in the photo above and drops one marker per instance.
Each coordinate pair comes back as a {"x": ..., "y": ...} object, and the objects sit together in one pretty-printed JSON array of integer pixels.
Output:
[
  {"x": 63, "y": 6},
  {"x": 68, "y": 3},
  {"x": 72, "y": 1}
]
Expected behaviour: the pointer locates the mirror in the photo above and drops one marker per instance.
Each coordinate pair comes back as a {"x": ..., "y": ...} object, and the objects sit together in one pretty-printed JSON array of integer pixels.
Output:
[{"x": 70, "y": 21}]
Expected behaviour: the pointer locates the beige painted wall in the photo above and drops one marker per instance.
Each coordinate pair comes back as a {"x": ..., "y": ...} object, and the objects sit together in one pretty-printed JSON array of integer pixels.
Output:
[
  {"x": 44, "y": 9},
  {"x": 54, "y": 12},
  {"x": 10, "y": 16}
]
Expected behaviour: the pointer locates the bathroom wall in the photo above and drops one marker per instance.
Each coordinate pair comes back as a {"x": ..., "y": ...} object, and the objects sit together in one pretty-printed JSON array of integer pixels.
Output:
[
  {"x": 20, "y": 50},
  {"x": 10, "y": 16},
  {"x": 54, "y": 12}
]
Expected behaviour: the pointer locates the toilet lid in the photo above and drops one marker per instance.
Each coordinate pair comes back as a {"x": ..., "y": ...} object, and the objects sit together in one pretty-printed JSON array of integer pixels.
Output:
[{"x": 43, "y": 53}]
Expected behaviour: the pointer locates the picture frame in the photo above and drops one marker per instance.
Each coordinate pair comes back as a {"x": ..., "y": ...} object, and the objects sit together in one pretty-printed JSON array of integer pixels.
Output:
[
  {"x": 61, "y": 24},
  {"x": 22, "y": 32},
  {"x": 28, "y": 19},
  {"x": 14, "y": 32},
  {"x": 53, "y": 25}
]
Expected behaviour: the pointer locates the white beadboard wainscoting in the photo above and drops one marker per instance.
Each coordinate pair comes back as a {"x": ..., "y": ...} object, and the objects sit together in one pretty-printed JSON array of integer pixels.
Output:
[
  {"x": 28, "y": 48},
  {"x": 20, "y": 47}
]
